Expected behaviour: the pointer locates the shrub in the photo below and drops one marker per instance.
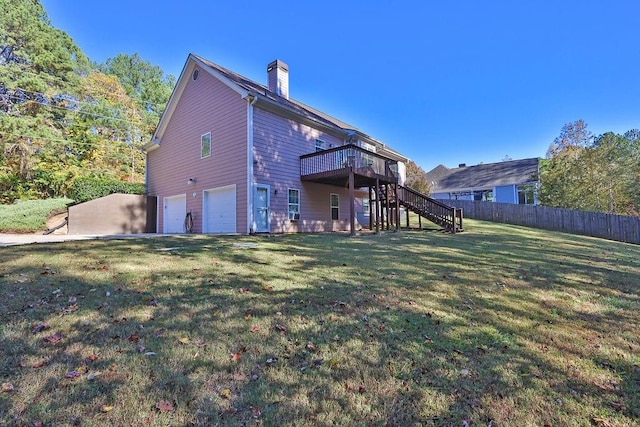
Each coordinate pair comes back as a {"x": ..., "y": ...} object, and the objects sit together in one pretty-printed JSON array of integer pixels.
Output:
[{"x": 85, "y": 189}]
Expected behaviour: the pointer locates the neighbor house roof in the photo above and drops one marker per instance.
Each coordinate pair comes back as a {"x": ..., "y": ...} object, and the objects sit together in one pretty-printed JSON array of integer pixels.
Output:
[
  {"x": 483, "y": 176},
  {"x": 269, "y": 100}
]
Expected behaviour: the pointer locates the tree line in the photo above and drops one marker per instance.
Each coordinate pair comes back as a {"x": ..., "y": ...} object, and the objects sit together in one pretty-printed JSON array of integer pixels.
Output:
[
  {"x": 592, "y": 173},
  {"x": 63, "y": 117}
]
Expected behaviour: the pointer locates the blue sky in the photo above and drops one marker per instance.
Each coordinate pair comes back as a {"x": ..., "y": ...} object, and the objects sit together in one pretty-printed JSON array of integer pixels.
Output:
[{"x": 441, "y": 82}]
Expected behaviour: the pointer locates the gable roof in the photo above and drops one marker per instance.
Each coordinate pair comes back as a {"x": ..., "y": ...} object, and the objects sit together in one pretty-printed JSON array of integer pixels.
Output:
[
  {"x": 263, "y": 97},
  {"x": 483, "y": 176}
]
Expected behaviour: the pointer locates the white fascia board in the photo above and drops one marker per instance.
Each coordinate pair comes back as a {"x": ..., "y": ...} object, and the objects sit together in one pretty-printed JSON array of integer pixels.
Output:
[{"x": 185, "y": 75}]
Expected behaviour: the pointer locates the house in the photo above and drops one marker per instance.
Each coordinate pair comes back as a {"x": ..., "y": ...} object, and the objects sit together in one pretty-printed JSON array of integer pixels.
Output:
[
  {"x": 234, "y": 156},
  {"x": 513, "y": 181}
]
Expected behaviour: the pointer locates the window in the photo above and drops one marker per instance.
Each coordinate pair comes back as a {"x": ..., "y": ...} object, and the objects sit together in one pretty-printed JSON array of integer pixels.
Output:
[
  {"x": 294, "y": 204},
  {"x": 205, "y": 145},
  {"x": 320, "y": 145},
  {"x": 335, "y": 206},
  {"x": 526, "y": 194}
]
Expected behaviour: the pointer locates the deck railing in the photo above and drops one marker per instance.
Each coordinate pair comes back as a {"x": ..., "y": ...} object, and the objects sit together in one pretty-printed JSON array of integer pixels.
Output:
[
  {"x": 342, "y": 158},
  {"x": 434, "y": 210}
]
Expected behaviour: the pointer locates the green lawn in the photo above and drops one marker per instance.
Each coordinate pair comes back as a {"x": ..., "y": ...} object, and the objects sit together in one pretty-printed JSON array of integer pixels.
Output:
[
  {"x": 499, "y": 325},
  {"x": 29, "y": 216}
]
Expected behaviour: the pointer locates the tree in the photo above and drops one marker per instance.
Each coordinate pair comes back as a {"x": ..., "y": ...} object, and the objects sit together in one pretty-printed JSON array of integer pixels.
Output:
[
  {"x": 416, "y": 178},
  {"x": 592, "y": 173},
  {"x": 60, "y": 119},
  {"x": 573, "y": 136},
  {"x": 142, "y": 81}
]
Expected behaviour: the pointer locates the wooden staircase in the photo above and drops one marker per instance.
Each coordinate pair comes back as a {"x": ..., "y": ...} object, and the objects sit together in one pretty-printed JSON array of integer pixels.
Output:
[{"x": 433, "y": 210}]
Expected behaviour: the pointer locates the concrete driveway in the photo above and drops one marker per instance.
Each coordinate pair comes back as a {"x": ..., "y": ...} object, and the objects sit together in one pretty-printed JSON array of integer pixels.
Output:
[{"x": 27, "y": 239}]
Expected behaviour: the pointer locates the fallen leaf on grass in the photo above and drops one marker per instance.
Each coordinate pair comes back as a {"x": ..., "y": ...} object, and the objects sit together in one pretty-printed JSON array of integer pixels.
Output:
[
  {"x": 311, "y": 347},
  {"x": 39, "y": 327},
  {"x": 235, "y": 356},
  {"x": 53, "y": 338},
  {"x": 617, "y": 405},
  {"x": 239, "y": 377},
  {"x": 40, "y": 364},
  {"x": 7, "y": 387},
  {"x": 164, "y": 406},
  {"x": 72, "y": 374},
  {"x": 91, "y": 358},
  {"x": 184, "y": 340},
  {"x": 244, "y": 290},
  {"x": 281, "y": 328},
  {"x": 600, "y": 422},
  {"x": 105, "y": 408},
  {"x": 225, "y": 394},
  {"x": 254, "y": 328},
  {"x": 92, "y": 376},
  {"x": 361, "y": 389},
  {"x": 133, "y": 338}
]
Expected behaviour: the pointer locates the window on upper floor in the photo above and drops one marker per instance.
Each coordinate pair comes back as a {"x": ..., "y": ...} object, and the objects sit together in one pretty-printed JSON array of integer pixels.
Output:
[
  {"x": 205, "y": 145},
  {"x": 320, "y": 145},
  {"x": 294, "y": 204}
]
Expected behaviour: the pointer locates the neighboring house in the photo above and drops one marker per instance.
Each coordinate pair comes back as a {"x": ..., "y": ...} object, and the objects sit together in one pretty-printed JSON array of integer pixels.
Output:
[
  {"x": 233, "y": 156},
  {"x": 513, "y": 181}
]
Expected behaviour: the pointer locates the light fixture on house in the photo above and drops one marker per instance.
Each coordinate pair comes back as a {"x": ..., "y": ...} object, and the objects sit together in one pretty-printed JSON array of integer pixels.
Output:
[{"x": 191, "y": 181}]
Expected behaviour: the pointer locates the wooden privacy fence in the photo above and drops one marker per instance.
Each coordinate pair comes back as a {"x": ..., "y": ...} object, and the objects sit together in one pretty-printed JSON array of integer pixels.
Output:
[{"x": 607, "y": 226}]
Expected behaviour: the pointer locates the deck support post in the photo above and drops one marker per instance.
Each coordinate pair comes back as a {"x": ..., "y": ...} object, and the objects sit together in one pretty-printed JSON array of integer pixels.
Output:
[
  {"x": 377, "y": 206},
  {"x": 370, "y": 209},
  {"x": 386, "y": 202},
  {"x": 407, "y": 212},
  {"x": 352, "y": 202},
  {"x": 397, "y": 206}
]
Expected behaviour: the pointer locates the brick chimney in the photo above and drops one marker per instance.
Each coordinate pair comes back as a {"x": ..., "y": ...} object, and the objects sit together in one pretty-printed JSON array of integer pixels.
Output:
[{"x": 278, "y": 76}]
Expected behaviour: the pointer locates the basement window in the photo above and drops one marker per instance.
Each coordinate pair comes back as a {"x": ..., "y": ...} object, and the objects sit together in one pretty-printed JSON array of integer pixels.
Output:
[
  {"x": 335, "y": 206},
  {"x": 205, "y": 145}
]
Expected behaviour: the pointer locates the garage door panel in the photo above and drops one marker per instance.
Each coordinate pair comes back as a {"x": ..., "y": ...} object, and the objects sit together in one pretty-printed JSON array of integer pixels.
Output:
[
  {"x": 220, "y": 210},
  {"x": 175, "y": 209}
]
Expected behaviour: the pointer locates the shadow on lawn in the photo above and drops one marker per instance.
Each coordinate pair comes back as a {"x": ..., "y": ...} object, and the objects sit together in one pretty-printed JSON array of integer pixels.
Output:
[{"x": 358, "y": 333}]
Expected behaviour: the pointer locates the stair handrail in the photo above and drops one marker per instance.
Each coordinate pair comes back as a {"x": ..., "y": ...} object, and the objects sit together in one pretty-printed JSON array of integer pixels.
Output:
[{"x": 448, "y": 215}]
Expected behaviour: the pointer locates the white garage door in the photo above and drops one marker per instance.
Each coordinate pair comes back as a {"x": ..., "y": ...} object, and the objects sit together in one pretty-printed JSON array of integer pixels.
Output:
[
  {"x": 175, "y": 209},
  {"x": 220, "y": 210}
]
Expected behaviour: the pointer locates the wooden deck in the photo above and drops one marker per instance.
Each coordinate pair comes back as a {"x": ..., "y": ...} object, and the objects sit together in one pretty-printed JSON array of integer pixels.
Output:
[{"x": 334, "y": 166}]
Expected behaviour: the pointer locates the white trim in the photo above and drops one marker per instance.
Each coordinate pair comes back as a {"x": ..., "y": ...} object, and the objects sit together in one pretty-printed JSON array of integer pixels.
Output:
[
  {"x": 184, "y": 78},
  {"x": 250, "y": 178}
]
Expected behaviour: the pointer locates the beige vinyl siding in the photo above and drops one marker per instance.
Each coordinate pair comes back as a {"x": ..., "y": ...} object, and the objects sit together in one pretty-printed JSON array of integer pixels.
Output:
[
  {"x": 278, "y": 145},
  {"x": 206, "y": 105}
]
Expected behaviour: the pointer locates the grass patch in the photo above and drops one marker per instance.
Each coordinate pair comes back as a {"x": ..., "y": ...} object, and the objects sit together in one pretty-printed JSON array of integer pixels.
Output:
[
  {"x": 29, "y": 216},
  {"x": 498, "y": 324}
]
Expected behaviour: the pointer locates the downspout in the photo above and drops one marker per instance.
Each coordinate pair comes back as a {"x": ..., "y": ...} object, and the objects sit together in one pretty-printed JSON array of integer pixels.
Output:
[{"x": 250, "y": 193}]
